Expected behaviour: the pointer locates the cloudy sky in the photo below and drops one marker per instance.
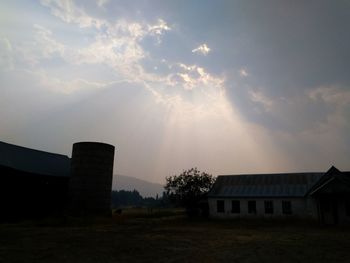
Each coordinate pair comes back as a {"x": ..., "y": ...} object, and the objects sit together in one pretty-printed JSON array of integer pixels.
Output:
[{"x": 226, "y": 86}]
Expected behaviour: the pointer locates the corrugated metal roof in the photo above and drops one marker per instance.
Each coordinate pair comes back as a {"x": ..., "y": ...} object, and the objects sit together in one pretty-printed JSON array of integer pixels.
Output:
[
  {"x": 34, "y": 161},
  {"x": 264, "y": 185}
]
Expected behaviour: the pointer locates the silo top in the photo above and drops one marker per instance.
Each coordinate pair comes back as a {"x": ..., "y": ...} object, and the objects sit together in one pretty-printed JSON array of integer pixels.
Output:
[{"x": 93, "y": 146}]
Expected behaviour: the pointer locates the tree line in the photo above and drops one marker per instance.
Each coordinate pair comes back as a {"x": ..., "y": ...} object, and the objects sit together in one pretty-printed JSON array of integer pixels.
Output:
[
  {"x": 188, "y": 190},
  {"x": 124, "y": 198}
]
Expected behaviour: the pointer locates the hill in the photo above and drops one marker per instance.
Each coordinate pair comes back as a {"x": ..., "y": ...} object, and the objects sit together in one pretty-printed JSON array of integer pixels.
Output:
[{"x": 145, "y": 188}]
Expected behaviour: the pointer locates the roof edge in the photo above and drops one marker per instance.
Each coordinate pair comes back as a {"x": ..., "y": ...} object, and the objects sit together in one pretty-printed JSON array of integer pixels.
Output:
[
  {"x": 31, "y": 149},
  {"x": 228, "y": 175}
]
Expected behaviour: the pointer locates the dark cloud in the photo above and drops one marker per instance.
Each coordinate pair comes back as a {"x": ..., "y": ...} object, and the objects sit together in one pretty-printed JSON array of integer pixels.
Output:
[
  {"x": 288, "y": 48},
  {"x": 299, "y": 44}
]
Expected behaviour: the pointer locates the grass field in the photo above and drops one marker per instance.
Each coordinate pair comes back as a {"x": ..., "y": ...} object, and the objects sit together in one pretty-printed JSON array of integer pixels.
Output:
[{"x": 165, "y": 236}]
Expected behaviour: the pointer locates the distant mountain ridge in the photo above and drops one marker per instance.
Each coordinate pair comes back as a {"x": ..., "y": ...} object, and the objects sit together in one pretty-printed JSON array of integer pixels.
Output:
[{"x": 145, "y": 188}]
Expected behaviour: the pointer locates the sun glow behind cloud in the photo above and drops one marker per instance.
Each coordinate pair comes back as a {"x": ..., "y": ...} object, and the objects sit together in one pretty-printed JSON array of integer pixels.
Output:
[
  {"x": 209, "y": 131},
  {"x": 200, "y": 126}
]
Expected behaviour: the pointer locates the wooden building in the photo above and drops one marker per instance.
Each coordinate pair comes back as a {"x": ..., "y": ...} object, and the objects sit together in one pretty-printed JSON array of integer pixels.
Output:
[
  {"x": 319, "y": 196},
  {"x": 33, "y": 183}
]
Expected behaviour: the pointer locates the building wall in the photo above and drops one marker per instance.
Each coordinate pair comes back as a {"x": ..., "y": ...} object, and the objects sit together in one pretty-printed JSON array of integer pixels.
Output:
[
  {"x": 301, "y": 208},
  {"x": 26, "y": 195},
  {"x": 343, "y": 214},
  {"x": 335, "y": 210}
]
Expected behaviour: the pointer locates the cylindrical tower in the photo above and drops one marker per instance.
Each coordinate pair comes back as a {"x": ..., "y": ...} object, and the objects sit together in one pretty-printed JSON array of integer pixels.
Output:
[{"x": 91, "y": 178}]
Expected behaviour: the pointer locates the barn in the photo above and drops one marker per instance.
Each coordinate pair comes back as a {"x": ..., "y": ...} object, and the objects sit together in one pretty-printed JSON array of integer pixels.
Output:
[
  {"x": 317, "y": 196},
  {"x": 37, "y": 184},
  {"x": 33, "y": 183}
]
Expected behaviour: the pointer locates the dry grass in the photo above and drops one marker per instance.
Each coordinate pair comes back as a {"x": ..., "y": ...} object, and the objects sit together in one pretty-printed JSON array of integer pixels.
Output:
[{"x": 130, "y": 237}]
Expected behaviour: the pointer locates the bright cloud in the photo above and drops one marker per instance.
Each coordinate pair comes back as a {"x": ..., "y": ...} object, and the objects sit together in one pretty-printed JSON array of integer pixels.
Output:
[
  {"x": 202, "y": 49},
  {"x": 117, "y": 45},
  {"x": 192, "y": 76},
  {"x": 102, "y": 3},
  {"x": 44, "y": 46},
  {"x": 6, "y": 56},
  {"x": 243, "y": 73},
  {"x": 159, "y": 28},
  {"x": 259, "y": 97},
  {"x": 332, "y": 95},
  {"x": 70, "y": 13}
]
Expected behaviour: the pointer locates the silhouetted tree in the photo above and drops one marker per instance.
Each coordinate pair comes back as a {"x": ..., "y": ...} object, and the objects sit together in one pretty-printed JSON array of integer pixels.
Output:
[{"x": 189, "y": 188}]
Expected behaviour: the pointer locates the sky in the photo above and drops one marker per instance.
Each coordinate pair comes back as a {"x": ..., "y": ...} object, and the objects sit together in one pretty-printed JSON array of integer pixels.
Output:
[{"x": 229, "y": 87}]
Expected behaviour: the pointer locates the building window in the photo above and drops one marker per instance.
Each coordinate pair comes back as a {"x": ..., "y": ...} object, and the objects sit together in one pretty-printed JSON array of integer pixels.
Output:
[
  {"x": 286, "y": 207},
  {"x": 220, "y": 206},
  {"x": 251, "y": 207},
  {"x": 236, "y": 207},
  {"x": 268, "y": 207}
]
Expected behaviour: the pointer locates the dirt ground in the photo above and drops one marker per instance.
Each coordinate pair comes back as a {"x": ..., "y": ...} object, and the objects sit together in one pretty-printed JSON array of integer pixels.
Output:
[{"x": 171, "y": 239}]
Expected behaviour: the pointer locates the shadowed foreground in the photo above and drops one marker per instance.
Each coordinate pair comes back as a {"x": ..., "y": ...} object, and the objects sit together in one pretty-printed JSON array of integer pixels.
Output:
[{"x": 172, "y": 239}]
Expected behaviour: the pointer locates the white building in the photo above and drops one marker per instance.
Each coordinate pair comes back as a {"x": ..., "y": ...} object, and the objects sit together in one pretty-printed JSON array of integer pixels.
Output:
[{"x": 319, "y": 196}]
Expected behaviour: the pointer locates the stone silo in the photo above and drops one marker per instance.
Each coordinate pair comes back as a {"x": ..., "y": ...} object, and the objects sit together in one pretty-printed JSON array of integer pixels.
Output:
[{"x": 91, "y": 178}]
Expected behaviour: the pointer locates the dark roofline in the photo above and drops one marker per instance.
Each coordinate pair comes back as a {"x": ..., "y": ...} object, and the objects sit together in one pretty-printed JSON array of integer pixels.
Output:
[
  {"x": 255, "y": 197},
  {"x": 34, "y": 150},
  {"x": 12, "y": 171},
  {"x": 332, "y": 174},
  {"x": 33, "y": 161},
  {"x": 329, "y": 174},
  {"x": 229, "y": 175},
  {"x": 315, "y": 189}
]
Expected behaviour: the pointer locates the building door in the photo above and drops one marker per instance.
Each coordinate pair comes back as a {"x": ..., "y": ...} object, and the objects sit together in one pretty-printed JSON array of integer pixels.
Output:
[{"x": 329, "y": 211}]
